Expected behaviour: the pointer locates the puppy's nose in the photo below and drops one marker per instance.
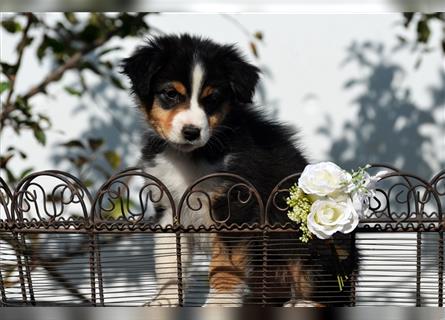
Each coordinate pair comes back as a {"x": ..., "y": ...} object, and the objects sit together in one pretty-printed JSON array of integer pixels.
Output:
[{"x": 191, "y": 133}]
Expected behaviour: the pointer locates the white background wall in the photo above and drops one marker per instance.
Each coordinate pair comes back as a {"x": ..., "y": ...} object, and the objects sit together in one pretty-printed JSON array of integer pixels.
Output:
[{"x": 305, "y": 57}]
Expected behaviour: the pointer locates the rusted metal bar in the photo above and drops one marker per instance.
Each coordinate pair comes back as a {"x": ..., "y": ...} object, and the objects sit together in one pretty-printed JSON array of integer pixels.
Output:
[{"x": 418, "y": 269}]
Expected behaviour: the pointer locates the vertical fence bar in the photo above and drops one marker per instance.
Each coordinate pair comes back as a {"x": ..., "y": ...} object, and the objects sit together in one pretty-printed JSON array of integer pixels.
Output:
[
  {"x": 2, "y": 290},
  {"x": 440, "y": 267},
  {"x": 179, "y": 267},
  {"x": 418, "y": 269},
  {"x": 99, "y": 271},
  {"x": 264, "y": 272},
  {"x": 28, "y": 271},
  {"x": 354, "y": 270},
  {"x": 20, "y": 267},
  {"x": 92, "y": 249}
]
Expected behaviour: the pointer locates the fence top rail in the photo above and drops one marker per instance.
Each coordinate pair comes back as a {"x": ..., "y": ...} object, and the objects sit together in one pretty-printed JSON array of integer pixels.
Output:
[{"x": 56, "y": 200}]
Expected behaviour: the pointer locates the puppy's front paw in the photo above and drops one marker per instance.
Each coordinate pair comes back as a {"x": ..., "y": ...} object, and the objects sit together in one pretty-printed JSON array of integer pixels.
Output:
[
  {"x": 302, "y": 303},
  {"x": 233, "y": 298},
  {"x": 222, "y": 303}
]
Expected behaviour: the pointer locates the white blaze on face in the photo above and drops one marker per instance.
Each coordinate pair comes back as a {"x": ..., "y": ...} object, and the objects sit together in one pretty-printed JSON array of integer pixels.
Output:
[{"x": 194, "y": 115}]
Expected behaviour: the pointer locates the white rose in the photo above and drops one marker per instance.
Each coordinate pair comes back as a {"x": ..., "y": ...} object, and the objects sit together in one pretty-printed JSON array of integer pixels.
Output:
[
  {"x": 329, "y": 216},
  {"x": 323, "y": 178}
]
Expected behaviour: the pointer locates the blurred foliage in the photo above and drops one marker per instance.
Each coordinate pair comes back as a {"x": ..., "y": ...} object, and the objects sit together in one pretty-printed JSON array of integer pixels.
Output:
[
  {"x": 88, "y": 155},
  {"x": 71, "y": 42},
  {"x": 422, "y": 24},
  {"x": 76, "y": 43},
  {"x": 79, "y": 43}
]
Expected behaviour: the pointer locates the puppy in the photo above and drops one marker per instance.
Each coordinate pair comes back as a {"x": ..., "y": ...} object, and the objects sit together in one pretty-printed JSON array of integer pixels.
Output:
[{"x": 196, "y": 96}]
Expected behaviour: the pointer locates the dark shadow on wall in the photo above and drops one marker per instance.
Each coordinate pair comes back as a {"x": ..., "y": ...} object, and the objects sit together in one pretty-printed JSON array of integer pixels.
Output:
[{"x": 389, "y": 127}]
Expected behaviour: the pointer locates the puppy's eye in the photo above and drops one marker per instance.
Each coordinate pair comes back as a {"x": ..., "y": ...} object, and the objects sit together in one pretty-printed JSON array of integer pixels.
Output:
[
  {"x": 170, "y": 95},
  {"x": 214, "y": 96}
]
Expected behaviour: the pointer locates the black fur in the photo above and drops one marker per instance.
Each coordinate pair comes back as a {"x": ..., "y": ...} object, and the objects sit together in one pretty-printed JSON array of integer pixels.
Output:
[
  {"x": 171, "y": 57},
  {"x": 261, "y": 150}
]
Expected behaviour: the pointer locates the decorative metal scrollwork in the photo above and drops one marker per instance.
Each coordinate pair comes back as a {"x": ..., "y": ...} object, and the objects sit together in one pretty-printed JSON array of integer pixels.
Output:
[
  {"x": 217, "y": 197},
  {"x": 127, "y": 200},
  {"x": 438, "y": 184},
  {"x": 46, "y": 196},
  {"x": 404, "y": 198},
  {"x": 122, "y": 199},
  {"x": 277, "y": 199}
]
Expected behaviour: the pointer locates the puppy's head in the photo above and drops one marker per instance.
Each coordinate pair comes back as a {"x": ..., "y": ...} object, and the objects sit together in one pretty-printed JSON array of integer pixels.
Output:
[{"x": 186, "y": 85}]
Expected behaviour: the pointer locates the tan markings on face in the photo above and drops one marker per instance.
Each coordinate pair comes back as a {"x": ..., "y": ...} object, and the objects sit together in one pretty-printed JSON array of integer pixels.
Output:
[
  {"x": 161, "y": 119},
  {"x": 207, "y": 91},
  {"x": 216, "y": 118},
  {"x": 227, "y": 270},
  {"x": 179, "y": 87}
]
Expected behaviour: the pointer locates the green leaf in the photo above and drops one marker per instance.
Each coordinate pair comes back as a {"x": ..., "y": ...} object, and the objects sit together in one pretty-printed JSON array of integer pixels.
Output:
[
  {"x": 95, "y": 143},
  {"x": 26, "y": 172},
  {"x": 408, "y": 18},
  {"x": 11, "y": 26},
  {"x": 55, "y": 197},
  {"x": 401, "y": 39},
  {"x": 116, "y": 82},
  {"x": 88, "y": 65},
  {"x": 8, "y": 69},
  {"x": 4, "y": 160},
  {"x": 253, "y": 48},
  {"x": 80, "y": 161},
  {"x": 11, "y": 178},
  {"x": 39, "y": 135},
  {"x": 423, "y": 31},
  {"x": 107, "y": 50},
  {"x": 4, "y": 85},
  {"x": 71, "y": 17},
  {"x": 41, "y": 50},
  {"x": 117, "y": 210},
  {"x": 73, "y": 91},
  {"x": 112, "y": 158},
  {"x": 90, "y": 33},
  {"x": 73, "y": 144},
  {"x": 44, "y": 118},
  {"x": 56, "y": 45},
  {"x": 259, "y": 35},
  {"x": 88, "y": 183},
  {"x": 107, "y": 64}
]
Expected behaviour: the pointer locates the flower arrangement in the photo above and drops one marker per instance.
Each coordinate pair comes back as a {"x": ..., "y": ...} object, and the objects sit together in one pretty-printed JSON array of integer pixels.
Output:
[{"x": 328, "y": 199}]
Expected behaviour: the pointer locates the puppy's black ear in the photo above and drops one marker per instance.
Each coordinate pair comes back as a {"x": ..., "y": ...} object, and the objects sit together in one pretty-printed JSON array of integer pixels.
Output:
[
  {"x": 243, "y": 80},
  {"x": 141, "y": 67}
]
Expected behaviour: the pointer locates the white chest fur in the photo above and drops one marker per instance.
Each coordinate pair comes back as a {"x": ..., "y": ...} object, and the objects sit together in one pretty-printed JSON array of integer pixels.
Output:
[{"x": 178, "y": 171}]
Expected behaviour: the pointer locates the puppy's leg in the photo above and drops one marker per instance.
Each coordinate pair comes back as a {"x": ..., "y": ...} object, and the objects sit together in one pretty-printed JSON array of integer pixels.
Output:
[
  {"x": 301, "y": 287},
  {"x": 227, "y": 275},
  {"x": 166, "y": 264}
]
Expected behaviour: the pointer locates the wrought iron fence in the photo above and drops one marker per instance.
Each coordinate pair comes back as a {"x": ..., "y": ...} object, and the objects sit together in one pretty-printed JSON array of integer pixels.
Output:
[{"x": 60, "y": 245}]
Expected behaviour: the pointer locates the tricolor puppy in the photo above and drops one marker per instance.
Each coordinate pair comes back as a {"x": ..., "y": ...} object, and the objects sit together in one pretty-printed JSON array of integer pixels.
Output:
[{"x": 196, "y": 96}]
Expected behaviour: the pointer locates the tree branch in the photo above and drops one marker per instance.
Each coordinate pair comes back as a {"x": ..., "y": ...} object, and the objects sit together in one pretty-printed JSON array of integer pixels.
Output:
[
  {"x": 54, "y": 75},
  {"x": 8, "y": 107}
]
